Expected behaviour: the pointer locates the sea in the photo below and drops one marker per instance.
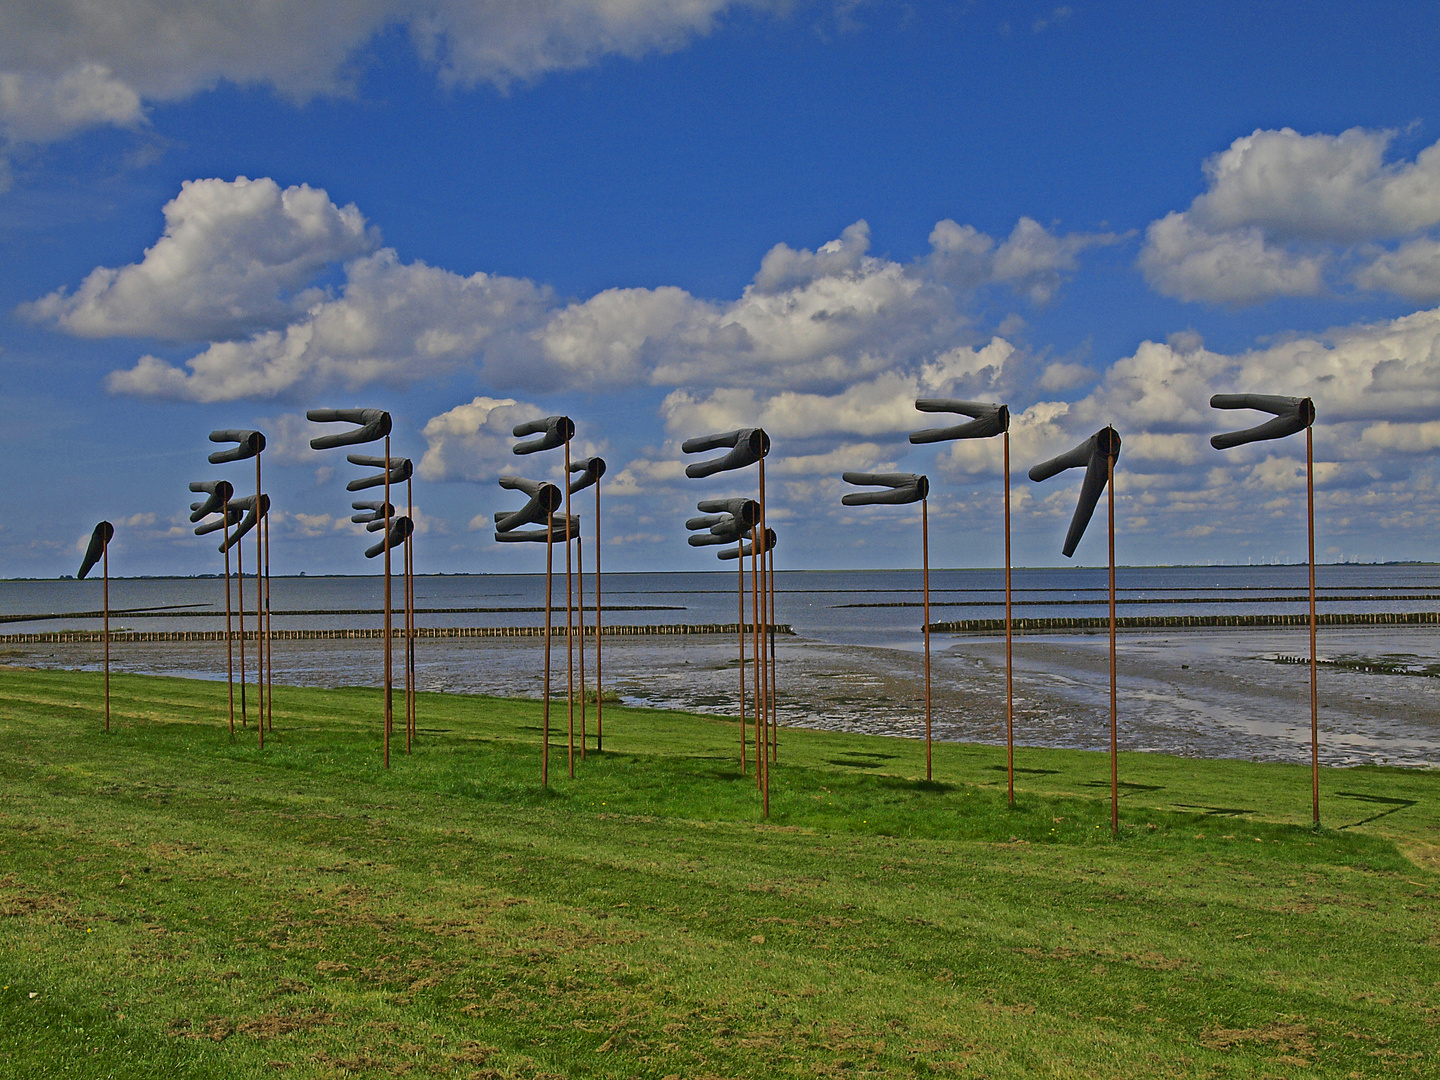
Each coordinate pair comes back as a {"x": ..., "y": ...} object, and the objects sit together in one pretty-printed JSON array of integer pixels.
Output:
[{"x": 855, "y": 660}]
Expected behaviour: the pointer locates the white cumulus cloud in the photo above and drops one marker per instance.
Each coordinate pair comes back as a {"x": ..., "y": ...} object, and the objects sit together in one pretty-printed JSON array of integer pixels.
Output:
[
  {"x": 235, "y": 257},
  {"x": 1283, "y": 212}
]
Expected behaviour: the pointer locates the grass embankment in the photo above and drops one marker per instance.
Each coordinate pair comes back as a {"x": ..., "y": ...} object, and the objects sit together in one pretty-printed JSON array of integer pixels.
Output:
[{"x": 182, "y": 905}]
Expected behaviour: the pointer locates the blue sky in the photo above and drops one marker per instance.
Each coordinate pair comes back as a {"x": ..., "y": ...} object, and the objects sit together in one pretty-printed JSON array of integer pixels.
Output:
[{"x": 710, "y": 214}]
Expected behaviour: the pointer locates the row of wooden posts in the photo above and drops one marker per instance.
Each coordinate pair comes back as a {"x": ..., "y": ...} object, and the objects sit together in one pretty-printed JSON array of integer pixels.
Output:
[{"x": 727, "y": 521}]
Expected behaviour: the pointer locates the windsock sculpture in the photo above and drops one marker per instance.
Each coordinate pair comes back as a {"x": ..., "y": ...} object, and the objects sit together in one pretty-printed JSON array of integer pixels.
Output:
[
  {"x": 1292, "y": 415},
  {"x": 988, "y": 419},
  {"x": 218, "y": 495},
  {"x": 1097, "y": 455},
  {"x": 903, "y": 488},
  {"x": 254, "y": 511},
  {"x": 727, "y": 521},
  {"x": 399, "y": 470},
  {"x": 99, "y": 551},
  {"x": 545, "y": 499},
  {"x": 372, "y": 425},
  {"x": 587, "y": 473},
  {"x": 550, "y": 433},
  {"x": 749, "y": 446},
  {"x": 251, "y": 444}
]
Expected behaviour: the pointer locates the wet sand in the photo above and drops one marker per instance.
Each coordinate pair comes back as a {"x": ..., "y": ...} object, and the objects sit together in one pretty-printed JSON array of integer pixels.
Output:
[{"x": 1201, "y": 693}]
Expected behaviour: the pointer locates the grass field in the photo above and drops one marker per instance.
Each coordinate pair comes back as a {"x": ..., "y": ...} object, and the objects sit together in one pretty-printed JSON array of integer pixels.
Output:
[{"x": 177, "y": 904}]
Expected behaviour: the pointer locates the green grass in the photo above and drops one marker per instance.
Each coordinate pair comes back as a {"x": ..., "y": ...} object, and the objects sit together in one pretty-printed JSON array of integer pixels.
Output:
[{"x": 181, "y": 904}]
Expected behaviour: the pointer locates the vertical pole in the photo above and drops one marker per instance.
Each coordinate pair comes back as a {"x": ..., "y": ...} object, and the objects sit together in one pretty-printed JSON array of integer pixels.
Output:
[
  {"x": 774, "y": 682},
  {"x": 740, "y": 565},
  {"x": 389, "y": 669},
  {"x": 569, "y": 621},
  {"x": 545, "y": 710},
  {"x": 1314, "y": 682},
  {"x": 240, "y": 607},
  {"x": 269, "y": 636},
  {"x": 1009, "y": 662},
  {"x": 408, "y": 556},
  {"x": 1114, "y": 759},
  {"x": 757, "y": 683},
  {"x": 105, "y": 573},
  {"x": 229, "y": 637},
  {"x": 925, "y": 558},
  {"x": 580, "y": 623},
  {"x": 764, "y": 667},
  {"x": 259, "y": 608},
  {"x": 599, "y": 688}
]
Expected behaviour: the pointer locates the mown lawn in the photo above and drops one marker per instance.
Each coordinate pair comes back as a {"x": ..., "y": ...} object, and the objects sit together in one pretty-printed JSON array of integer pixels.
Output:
[{"x": 177, "y": 904}]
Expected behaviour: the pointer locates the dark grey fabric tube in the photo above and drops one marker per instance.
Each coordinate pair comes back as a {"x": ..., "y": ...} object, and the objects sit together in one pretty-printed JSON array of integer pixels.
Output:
[
  {"x": 373, "y": 424},
  {"x": 399, "y": 532},
  {"x": 553, "y": 432},
  {"x": 772, "y": 542},
  {"x": 102, "y": 535},
  {"x": 990, "y": 419},
  {"x": 748, "y": 445},
  {"x": 219, "y": 522},
  {"x": 1291, "y": 415},
  {"x": 219, "y": 491},
  {"x": 591, "y": 469},
  {"x": 545, "y": 499},
  {"x": 746, "y": 511},
  {"x": 249, "y": 444},
  {"x": 400, "y": 471},
  {"x": 904, "y": 488},
  {"x": 557, "y": 533},
  {"x": 249, "y": 521}
]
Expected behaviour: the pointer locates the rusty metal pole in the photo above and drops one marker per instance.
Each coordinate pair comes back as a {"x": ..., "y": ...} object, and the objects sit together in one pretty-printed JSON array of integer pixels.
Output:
[
  {"x": 740, "y": 566},
  {"x": 1114, "y": 710},
  {"x": 599, "y": 684},
  {"x": 925, "y": 558},
  {"x": 229, "y": 635},
  {"x": 764, "y": 672},
  {"x": 774, "y": 680},
  {"x": 240, "y": 609},
  {"x": 259, "y": 610},
  {"x": 545, "y": 710},
  {"x": 757, "y": 683},
  {"x": 1009, "y": 661},
  {"x": 569, "y": 621},
  {"x": 408, "y": 562},
  {"x": 580, "y": 624},
  {"x": 1314, "y": 681},
  {"x": 269, "y": 634},
  {"x": 105, "y": 572},
  {"x": 389, "y": 665}
]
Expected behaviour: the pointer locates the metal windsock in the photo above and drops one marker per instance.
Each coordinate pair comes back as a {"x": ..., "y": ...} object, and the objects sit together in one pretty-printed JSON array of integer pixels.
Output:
[
  {"x": 1292, "y": 414},
  {"x": 1094, "y": 454},
  {"x": 718, "y": 529},
  {"x": 545, "y": 499},
  {"x": 401, "y": 470},
  {"x": 219, "y": 491},
  {"x": 904, "y": 488},
  {"x": 220, "y": 521},
  {"x": 249, "y": 521},
  {"x": 746, "y": 445},
  {"x": 591, "y": 469},
  {"x": 249, "y": 444},
  {"x": 989, "y": 419},
  {"x": 372, "y": 424},
  {"x": 103, "y": 534},
  {"x": 770, "y": 543},
  {"x": 557, "y": 533},
  {"x": 375, "y": 510},
  {"x": 746, "y": 511},
  {"x": 553, "y": 431},
  {"x": 400, "y": 531}
]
